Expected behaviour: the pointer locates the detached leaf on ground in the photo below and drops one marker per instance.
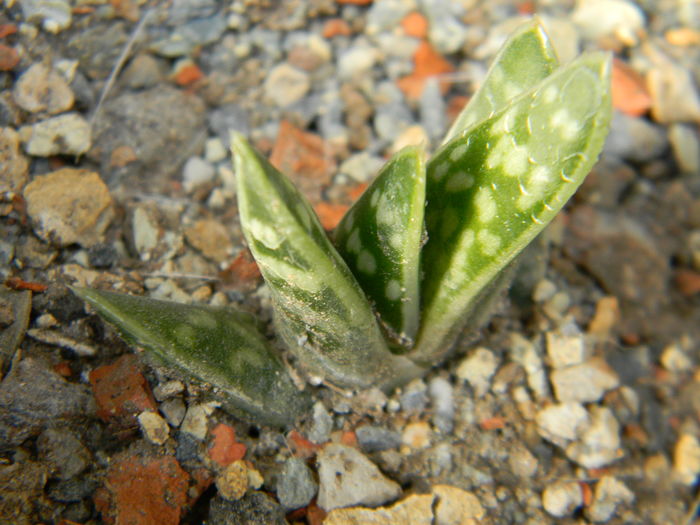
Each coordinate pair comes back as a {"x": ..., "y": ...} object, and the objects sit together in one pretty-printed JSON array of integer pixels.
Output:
[{"x": 220, "y": 346}]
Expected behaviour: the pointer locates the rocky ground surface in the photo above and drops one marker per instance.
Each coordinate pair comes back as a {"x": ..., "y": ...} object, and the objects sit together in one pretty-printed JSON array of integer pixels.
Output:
[{"x": 578, "y": 403}]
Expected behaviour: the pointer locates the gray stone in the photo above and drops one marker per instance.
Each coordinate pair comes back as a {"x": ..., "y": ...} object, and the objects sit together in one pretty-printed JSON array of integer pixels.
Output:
[
  {"x": 608, "y": 495},
  {"x": 161, "y": 125},
  {"x": 286, "y": 85},
  {"x": 585, "y": 382},
  {"x": 433, "y": 114},
  {"x": 414, "y": 397},
  {"x": 348, "y": 478},
  {"x": 55, "y": 15},
  {"x": 375, "y": 438},
  {"x": 635, "y": 139},
  {"x": 685, "y": 144},
  {"x": 445, "y": 31},
  {"x": 67, "y": 134},
  {"x": 321, "y": 425},
  {"x": 442, "y": 400},
  {"x": 357, "y": 60},
  {"x": 24, "y": 411},
  {"x": 174, "y": 411},
  {"x": 41, "y": 89},
  {"x": 63, "y": 451},
  {"x": 191, "y": 34},
  {"x": 69, "y": 206},
  {"x": 226, "y": 118},
  {"x": 295, "y": 486},
  {"x": 143, "y": 71},
  {"x": 255, "y": 508},
  {"x": 196, "y": 420}
]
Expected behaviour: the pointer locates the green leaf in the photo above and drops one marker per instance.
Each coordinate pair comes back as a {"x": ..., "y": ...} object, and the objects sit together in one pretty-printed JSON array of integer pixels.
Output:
[
  {"x": 525, "y": 59},
  {"x": 380, "y": 240},
  {"x": 219, "y": 346},
  {"x": 320, "y": 309},
  {"x": 491, "y": 191}
]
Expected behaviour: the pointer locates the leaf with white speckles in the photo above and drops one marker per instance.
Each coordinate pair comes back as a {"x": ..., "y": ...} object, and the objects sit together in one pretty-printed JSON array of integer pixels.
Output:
[
  {"x": 491, "y": 191},
  {"x": 525, "y": 59},
  {"x": 380, "y": 239},
  {"x": 220, "y": 346},
  {"x": 320, "y": 310}
]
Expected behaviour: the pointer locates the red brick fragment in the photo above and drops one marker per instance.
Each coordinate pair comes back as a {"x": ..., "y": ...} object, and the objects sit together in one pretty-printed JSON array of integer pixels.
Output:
[
  {"x": 9, "y": 58},
  {"x": 688, "y": 282},
  {"x": 315, "y": 514},
  {"x": 19, "y": 284},
  {"x": 143, "y": 491},
  {"x": 629, "y": 91},
  {"x": 7, "y": 30},
  {"x": 188, "y": 74},
  {"x": 586, "y": 493},
  {"x": 427, "y": 63},
  {"x": 415, "y": 24},
  {"x": 336, "y": 27},
  {"x": 243, "y": 272},
  {"x": 224, "y": 449},
  {"x": 121, "y": 391},
  {"x": 493, "y": 423},
  {"x": 304, "y": 157},
  {"x": 330, "y": 214},
  {"x": 301, "y": 447},
  {"x": 349, "y": 438}
]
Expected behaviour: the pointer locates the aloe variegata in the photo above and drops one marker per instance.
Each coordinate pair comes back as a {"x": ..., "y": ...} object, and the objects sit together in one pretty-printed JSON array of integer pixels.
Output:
[{"x": 415, "y": 259}]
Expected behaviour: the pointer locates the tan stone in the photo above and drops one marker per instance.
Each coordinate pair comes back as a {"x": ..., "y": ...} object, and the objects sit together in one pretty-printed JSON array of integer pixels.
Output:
[
  {"x": 414, "y": 510},
  {"x": 456, "y": 506},
  {"x": 69, "y": 206},
  {"x": 233, "y": 481}
]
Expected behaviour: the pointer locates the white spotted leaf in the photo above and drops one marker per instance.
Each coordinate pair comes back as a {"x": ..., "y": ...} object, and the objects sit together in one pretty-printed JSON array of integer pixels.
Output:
[
  {"x": 526, "y": 58},
  {"x": 490, "y": 191},
  {"x": 217, "y": 345},
  {"x": 380, "y": 240},
  {"x": 320, "y": 310}
]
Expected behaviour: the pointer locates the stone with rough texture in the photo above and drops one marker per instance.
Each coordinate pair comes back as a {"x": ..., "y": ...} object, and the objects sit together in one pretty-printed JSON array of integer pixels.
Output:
[
  {"x": 599, "y": 444},
  {"x": 24, "y": 412},
  {"x": 414, "y": 510},
  {"x": 456, "y": 506},
  {"x": 562, "y": 498},
  {"x": 154, "y": 427},
  {"x": 609, "y": 493},
  {"x": 67, "y": 134},
  {"x": 63, "y": 451},
  {"x": 224, "y": 449},
  {"x": 286, "y": 84},
  {"x": 602, "y": 18},
  {"x": 322, "y": 424},
  {"x": 197, "y": 419},
  {"x": 686, "y": 459},
  {"x": 295, "y": 486},
  {"x": 478, "y": 369},
  {"x": 43, "y": 89},
  {"x": 585, "y": 382},
  {"x": 442, "y": 400},
  {"x": 143, "y": 490},
  {"x": 14, "y": 166},
  {"x": 256, "y": 508},
  {"x": 347, "y": 477},
  {"x": 375, "y": 439},
  {"x": 566, "y": 346},
  {"x": 69, "y": 206},
  {"x": 562, "y": 423},
  {"x": 232, "y": 482},
  {"x": 211, "y": 238}
]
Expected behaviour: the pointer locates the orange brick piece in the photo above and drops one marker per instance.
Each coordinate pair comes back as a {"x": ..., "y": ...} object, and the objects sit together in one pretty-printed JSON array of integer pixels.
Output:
[
  {"x": 224, "y": 449},
  {"x": 427, "y": 62}
]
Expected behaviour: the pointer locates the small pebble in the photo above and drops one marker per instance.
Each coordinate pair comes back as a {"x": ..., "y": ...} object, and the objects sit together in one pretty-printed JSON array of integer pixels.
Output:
[
  {"x": 674, "y": 95},
  {"x": 456, "y": 506},
  {"x": 586, "y": 382},
  {"x": 478, "y": 369},
  {"x": 562, "y": 423},
  {"x": 347, "y": 478},
  {"x": 602, "y": 18},
  {"x": 566, "y": 346},
  {"x": 286, "y": 85},
  {"x": 442, "y": 400},
  {"x": 196, "y": 173},
  {"x": 41, "y": 89},
  {"x": 609, "y": 494},
  {"x": 211, "y": 238},
  {"x": 55, "y": 15},
  {"x": 527, "y": 355},
  {"x": 685, "y": 144},
  {"x": 417, "y": 435},
  {"x": 214, "y": 150},
  {"x": 196, "y": 419},
  {"x": 686, "y": 459},
  {"x": 154, "y": 427},
  {"x": 599, "y": 444},
  {"x": 561, "y": 498},
  {"x": 67, "y": 134},
  {"x": 357, "y": 60},
  {"x": 635, "y": 139},
  {"x": 169, "y": 389},
  {"x": 322, "y": 424},
  {"x": 174, "y": 411},
  {"x": 232, "y": 482},
  {"x": 544, "y": 290},
  {"x": 295, "y": 486},
  {"x": 414, "y": 397},
  {"x": 375, "y": 439}
]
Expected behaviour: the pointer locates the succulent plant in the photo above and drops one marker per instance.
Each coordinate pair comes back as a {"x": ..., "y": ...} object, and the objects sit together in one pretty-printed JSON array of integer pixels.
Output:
[{"x": 414, "y": 261}]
